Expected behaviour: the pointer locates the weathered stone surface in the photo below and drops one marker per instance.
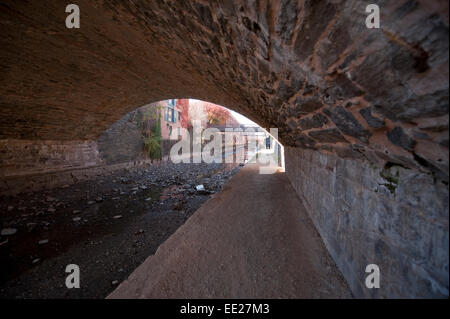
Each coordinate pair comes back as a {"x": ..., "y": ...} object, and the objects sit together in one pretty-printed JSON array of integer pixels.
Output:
[
  {"x": 20, "y": 157},
  {"x": 421, "y": 135},
  {"x": 50, "y": 179},
  {"x": 317, "y": 15},
  {"x": 394, "y": 229},
  {"x": 334, "y": 44},
  {"x": 347, "y": 123},
  {"x": 304, "y": 140},
  {"x": 122, "y": 142},
  {"x": 253, "y": 57},
  {"x": 316, "y": 121},
  {"x": 398, "y": 137},
  {"x": 444, "y": 140},
  {"x": 306, "y": 106},
  {"x": 285, "y": 91},
  {"x": 287, "y": 16},
  {"x": 348, "y": 89},
  {"x": 435, "y": 104},
  {"x": 327, "y": 136},
  {"x": 434, "y": 124},
  {"x": 204, "y": 14},
  {"x": 373, "y": 121}
]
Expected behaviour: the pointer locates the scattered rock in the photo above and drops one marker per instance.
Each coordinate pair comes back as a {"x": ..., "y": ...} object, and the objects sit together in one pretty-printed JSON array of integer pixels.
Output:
[
  {"x": 43, "y": 242},
  {"x": 91, "y": 202},
  {"x": 117, "y": 217},
  {"x": 76, "y": 212},
  {"x": 50, "y": 199},
  {"x": 31, "y": 226},
  {"x": 4, "y": 242},
  {"x": 99, "y": 199},
  {"x": 51, "y": 210},
  {"x": 10, "y": 208},
  {"x": 114, "y": 282},
  {"x": 35, "y": 261},
  {"x": 200, "y": 188},
  {"x": 76, "y": 219},
  {"x": 178, "y": 205},
  {"x": 8, "y": 231}
]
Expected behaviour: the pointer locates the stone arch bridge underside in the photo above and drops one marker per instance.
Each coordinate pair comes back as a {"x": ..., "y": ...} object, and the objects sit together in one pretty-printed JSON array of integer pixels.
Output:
[
  {"x": 309, "y": 68},
  {"x": 346, "y": 99}
]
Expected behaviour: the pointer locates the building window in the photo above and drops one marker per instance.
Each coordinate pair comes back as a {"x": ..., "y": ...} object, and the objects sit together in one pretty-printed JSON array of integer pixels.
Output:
[
  {"x": 178, "y": 131},
  {"x": 172, "y": 102},
  {"x": 268, "y": 142},
  {"x": 179, "y": 116},
  {"x": 170, "y": 130},
  {"x": 170, "y": 115}
]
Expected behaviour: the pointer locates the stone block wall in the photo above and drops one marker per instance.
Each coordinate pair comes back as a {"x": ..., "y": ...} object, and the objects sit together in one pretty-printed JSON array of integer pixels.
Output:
[
  {"x": 23, "y": 157},
  {"x": 394, "y": 217},
  {"x": 122, "y": 141},
  {"x": 13, "y": 185}
]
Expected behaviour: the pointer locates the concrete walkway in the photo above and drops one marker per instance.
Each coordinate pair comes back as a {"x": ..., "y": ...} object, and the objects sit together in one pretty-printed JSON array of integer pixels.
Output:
[{"x": 252, "y": 240}]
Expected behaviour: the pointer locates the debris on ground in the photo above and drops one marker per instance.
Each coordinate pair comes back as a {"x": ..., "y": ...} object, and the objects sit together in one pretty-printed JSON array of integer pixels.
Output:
[
  {"x": 8, "y": 231},
  {"x": 98, "y": 220}
]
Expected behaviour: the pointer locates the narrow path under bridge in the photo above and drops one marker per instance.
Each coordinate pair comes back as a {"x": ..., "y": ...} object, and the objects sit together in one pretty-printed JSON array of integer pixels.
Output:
[{"x": 252, "y": 240}]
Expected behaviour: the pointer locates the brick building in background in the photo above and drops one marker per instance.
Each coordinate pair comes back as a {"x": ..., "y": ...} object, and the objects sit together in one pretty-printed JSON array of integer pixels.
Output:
[
  {"x": 181, "y": 113},
  {"x": 210, "y": 115},
  {"x": 171, "y": 118}
]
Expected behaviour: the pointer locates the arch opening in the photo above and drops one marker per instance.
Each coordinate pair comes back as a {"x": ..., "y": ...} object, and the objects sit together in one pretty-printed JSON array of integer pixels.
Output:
[
  {"x": 362, "y": 113},
  {"x": 175, "y": 129}
]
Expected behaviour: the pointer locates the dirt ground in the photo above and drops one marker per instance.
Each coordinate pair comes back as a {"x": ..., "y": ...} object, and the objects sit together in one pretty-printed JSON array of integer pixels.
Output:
[
  {"x": 107, "y": 227},
  {"x": 254, "y": 239}
]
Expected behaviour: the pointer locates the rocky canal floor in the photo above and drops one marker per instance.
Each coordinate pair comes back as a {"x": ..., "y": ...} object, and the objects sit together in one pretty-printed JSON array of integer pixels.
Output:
[{"x": 107, "y": 227}]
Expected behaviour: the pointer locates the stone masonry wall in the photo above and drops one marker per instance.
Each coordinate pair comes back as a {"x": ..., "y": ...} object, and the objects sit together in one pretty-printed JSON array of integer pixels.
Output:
[
  {"x": 13, "y": 185},
  {"x": 394, "y": 217},
  {"x": 310, "y": 68},
  {"x": 19, "y": 157},
  {"x": 370, "y": 97},
  {"x": 122, "y": 141}
]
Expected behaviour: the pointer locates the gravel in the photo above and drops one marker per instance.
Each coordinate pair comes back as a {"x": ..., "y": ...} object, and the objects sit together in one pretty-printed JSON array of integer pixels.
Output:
[{"x": 100, "y": 244}]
